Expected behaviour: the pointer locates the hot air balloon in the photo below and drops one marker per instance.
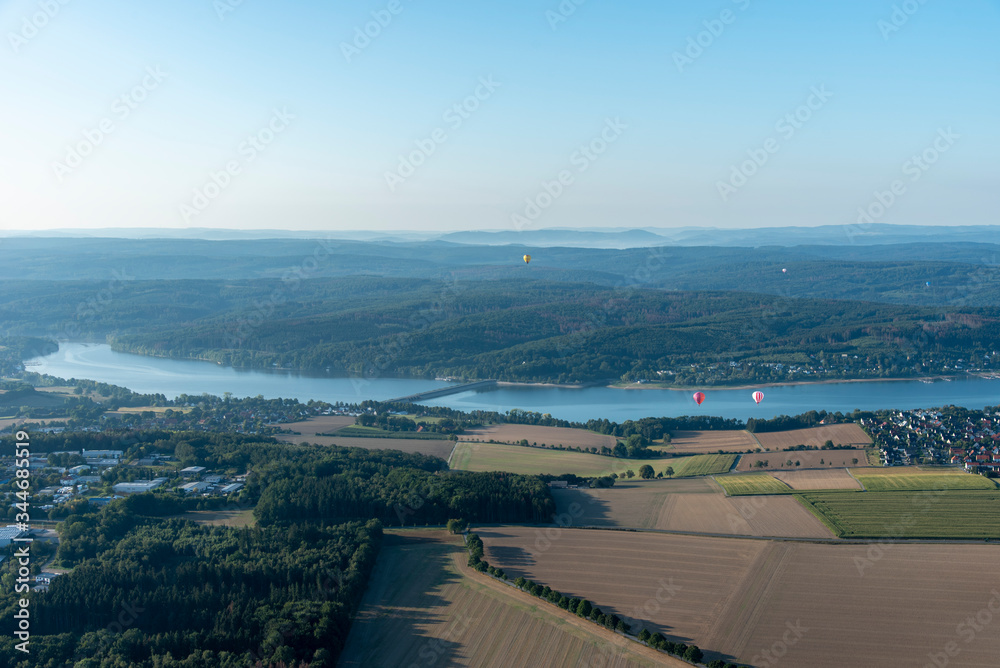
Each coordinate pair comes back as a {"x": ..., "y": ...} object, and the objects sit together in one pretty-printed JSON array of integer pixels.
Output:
[
  {"x": 699, "y": 397},
  {"x": 527, "y": 259},
  {"x": 757, "y": 396},
  {"x": 784, "y": 271}
]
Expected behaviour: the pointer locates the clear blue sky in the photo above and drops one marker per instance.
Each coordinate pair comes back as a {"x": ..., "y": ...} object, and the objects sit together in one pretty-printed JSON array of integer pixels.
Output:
[{"x": 223, "y": 71}]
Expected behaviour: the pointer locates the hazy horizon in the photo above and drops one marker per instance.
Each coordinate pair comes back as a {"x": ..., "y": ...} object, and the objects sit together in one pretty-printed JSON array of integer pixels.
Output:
[{"x": 246, "y": 116}]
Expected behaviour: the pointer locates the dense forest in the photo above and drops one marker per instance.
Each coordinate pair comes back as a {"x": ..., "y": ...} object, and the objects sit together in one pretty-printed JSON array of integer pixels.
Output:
[{"x": 281, "y": 591}]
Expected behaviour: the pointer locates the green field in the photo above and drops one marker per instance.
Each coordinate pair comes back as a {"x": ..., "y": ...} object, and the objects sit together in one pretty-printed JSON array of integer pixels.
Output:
[
  {"x": 697, "y": 465},
  {"x": 754, "y": 483},
  {"x": 888, "y": 515},
  {"x": 374, "y": 432},
  {"x": 910, "y": 479},
  {"x": 534, "y": 461}
]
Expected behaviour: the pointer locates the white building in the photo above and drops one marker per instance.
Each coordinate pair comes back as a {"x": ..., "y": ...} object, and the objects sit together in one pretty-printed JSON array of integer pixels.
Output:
[{"x": 138, "y": 486}]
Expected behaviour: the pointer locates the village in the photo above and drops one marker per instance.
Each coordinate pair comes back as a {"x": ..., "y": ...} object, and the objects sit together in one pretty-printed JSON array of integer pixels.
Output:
[
  {"x": 949, "y": 436},
  {"x": 88, "y": 477}
]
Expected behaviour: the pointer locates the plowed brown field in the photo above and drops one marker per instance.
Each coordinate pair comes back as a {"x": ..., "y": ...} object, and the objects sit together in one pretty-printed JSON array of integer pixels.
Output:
[
  {"x": 807, "y": 459},
  {"x": 818, "y": 479},
  {"x": 705, "y": 442},
  {"x": 694, "y": 505},
  {"x": 513, "y": 433},
  {"x": 840, "y": 434},
  {"x": 423, "y": 608},
  {"x": 823, "y": 606}
]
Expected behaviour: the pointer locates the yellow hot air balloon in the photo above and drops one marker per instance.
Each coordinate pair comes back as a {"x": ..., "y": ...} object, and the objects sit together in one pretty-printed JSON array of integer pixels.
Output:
[{"x": 527, "y": 259}]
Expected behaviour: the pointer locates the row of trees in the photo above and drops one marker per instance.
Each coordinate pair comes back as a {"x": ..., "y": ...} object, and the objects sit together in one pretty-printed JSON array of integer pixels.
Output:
[{"x": 584, "y": 609}]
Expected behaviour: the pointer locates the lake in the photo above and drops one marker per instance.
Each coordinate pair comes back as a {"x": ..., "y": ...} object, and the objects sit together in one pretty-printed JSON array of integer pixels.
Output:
[{"x": 173, "y": 377}]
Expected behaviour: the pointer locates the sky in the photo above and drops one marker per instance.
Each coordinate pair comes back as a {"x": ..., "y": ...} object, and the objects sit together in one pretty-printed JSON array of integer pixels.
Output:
[{"x": 422, "y": 115}]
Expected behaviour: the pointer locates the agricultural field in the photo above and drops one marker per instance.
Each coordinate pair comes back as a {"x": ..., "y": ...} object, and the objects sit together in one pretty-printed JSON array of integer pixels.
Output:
[
  {"x": 687, "y": 504},
  {"x": 322, "y": 424},
  {"x": 911, "y": 478},
  {"x": 823, "y": 606},
  {"x": 534, "y": 461},
  {"x": 697, "y": 465},
  {"x": 752, "y": 483},
  {"x": 807, "y": 459},
  {"x": 705, "y": 442},
  {"x": 442, "y": 613},
  {"x": 228, "y": 518},
  {"x": 515, "y": 433},
  {"x": 840, "y": 434},
  {"x": 817, "y": 479},
  {"x": 436, "y": 448},
  {"x": 878, "y": 515}
]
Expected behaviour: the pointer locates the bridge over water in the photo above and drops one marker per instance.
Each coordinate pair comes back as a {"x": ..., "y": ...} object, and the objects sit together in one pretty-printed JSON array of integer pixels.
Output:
[{"x": 445, "y": 391}]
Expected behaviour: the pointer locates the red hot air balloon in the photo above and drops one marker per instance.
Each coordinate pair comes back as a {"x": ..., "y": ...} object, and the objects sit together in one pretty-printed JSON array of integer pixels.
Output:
[
  {"x": 757, "y": 396},
  {"x": 699, "y": 397}
]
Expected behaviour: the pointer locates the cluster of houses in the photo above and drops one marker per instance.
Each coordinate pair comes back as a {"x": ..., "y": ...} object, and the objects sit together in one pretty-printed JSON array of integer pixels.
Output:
[
  {"x": 967, "y": 439},
  {"x": 76, "y": 481}
]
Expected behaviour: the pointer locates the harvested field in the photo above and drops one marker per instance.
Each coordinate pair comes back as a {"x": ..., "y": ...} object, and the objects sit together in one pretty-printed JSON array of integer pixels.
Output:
[
  {"x": 951, "y": 514},
  {"x": 807, "y": 459},
  {"x": 818, "y": 479},
  {"x": 322, "y": 424},
  {"x": 533, "y": 461},
  {"x": 896, "y": 611},
  {"x": 435, "y": 448},
  {"x": 779, "y": 516},
  {"x": 514, "y": 433},
  {"x": 678, "y": 505},
  {"x": 840, "y": 434},
  {"x": 752, "y": 483},
  {"x": 910, "y": 478},
  {"x": 705, "y": 442},
  {"x": 742, "y": 598},
  {"x": 435, "y": 611}
]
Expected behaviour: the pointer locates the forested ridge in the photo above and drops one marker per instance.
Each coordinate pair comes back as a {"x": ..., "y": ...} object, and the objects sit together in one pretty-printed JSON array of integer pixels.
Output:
[{"x": 542, "y": 332}]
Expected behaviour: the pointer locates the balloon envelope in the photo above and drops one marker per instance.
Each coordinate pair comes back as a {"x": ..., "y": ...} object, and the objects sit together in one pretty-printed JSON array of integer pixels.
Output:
[
  {"x": 757, "y": 396},
  {"x": 527, "y": 259},
  {"x": 699, "y": 397}
]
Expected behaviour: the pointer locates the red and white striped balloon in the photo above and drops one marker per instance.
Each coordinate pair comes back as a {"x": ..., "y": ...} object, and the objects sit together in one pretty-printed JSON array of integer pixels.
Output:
[{"x": 757, "y": 396}]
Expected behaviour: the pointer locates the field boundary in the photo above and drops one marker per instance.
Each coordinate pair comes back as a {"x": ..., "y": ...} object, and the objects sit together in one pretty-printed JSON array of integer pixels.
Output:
[
  {"x": 863, "y": 488},
  {"x": 627, "y": 642}
]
